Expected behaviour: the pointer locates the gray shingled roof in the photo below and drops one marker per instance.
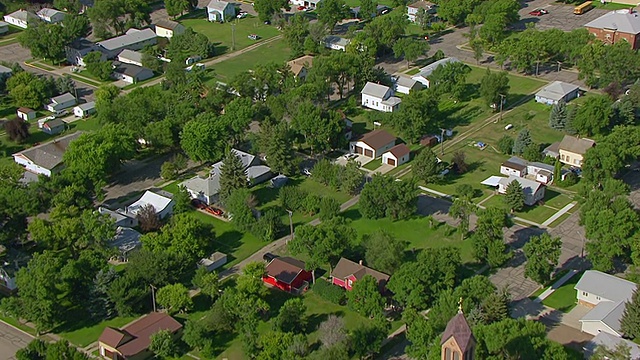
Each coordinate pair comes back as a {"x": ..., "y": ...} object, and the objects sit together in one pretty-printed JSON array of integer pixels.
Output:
[
  {"x": 246, "y": 159},
  {"x": 620, "y": 20},
  {"x": 528, "y": 186},
  {"x": 62, "y": 98},
  {"x": 427, "y": 70},
  {"x": 333, "y": 39},
  {"x": 375, "y": 90},
  {"x": 23, "y": 15},
  {"x": 167, "y": 24},
  {"x": 131, "y": 55},
  {"x": 606, "y": 286},
  {"x": 217, "y": 5},
  {"x": 126, "y": 239},
  {"x": 257, "y": 171},
  {"x": 406, "y": 81},
  {"x": 610, "y": 313},
  {"x": 48, "y": 12},
  {"x": 206, "y": 186},
  {"x": 128, "y": 69},
  {"x": 556, "y": 90},
  {"x": 87, "y": 106},
  {"x": 611, "y": 342},
  {"x": 133, "y": 36},
  {"x": 3, "y": 24},
  {"x": 576, "y": 145},
  {"x": 49, "y": 155}
]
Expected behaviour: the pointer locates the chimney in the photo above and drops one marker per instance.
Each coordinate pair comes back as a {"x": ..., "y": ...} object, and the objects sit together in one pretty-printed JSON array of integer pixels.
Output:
[{"x": 360, "y": 262}]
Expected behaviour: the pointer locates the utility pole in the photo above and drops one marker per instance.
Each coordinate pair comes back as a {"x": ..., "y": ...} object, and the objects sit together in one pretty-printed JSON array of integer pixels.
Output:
[
  {"x": 537, "y": 65},
  {"x": 501, "y": 102},
  {"x": 153, "y": 297},
  {"x": 233, "y": 36},
  {"x": 559, "y": 65},
  {"x": 582, "y": 248},
  {"x": 290, "y": 224},
  {"x": 442, "y": 141}
]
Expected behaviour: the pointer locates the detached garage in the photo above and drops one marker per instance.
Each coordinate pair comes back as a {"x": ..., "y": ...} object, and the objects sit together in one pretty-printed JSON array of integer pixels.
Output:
[
  {"x": 397, "y": 155},
  {"x": 373, "y": 144}
]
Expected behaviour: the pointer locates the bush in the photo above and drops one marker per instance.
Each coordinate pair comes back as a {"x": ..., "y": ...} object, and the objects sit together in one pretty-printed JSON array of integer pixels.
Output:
[
  {"x": 330, "y": 292},
  {"x": 292, "y": 198},
  {"x": 505, "y": 144},
  {"x": 570, "y": 179}
]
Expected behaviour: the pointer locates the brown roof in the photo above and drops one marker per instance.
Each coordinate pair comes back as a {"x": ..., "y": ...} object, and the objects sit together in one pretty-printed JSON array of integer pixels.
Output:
[
  {"x": 377, "y": 138},
  {"x": 347, "y": 267},
  {"x": 421, "y": 4},
  {"x": 298, "y": 64},
  {"x": 285, "y": 269},
  {"x": 513, "y": 165},
  {"x": 25, "y": 110},
  {"x": 576, "y": 145},
  {"x": 460, "y": 330},
  {"x": 399, "y": 150},
  {"x": 167, "y": 24},
  {"x": 49, "y": 155},
  {"x": 139, "y": 332}
]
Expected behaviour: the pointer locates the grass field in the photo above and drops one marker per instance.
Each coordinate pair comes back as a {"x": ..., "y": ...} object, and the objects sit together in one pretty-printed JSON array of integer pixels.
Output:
[
  {"x": 610, "y": 5},
  {"x": 86, "y": 335},
  {"x": 564, "y": 298},
  {"x": 224, "y": 36},
  {"x": 536, "y": 213}
]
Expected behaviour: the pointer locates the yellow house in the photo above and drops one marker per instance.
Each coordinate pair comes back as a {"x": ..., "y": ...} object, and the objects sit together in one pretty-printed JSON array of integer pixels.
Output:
[{"x": 572, "y": 150}]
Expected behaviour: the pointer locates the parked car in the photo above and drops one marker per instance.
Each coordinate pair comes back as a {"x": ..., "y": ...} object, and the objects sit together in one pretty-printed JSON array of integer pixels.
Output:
[
  {"x": 301, "y": 8},
  {"x": 198, "y": 204},
  {"x": 241, "y": 15},
  {"x": 216, "y": 211},
  {"x": 350, "y": 156},
  {"x": 538, "y": 12},
  {"x": 253, "y": 37},
  {"x": 268, "y": 257},
  {"x": 306, "y": 171}
]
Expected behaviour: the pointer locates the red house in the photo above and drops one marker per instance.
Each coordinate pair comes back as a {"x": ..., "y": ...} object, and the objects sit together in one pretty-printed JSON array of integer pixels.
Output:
[
  {"x": 287, "y": 274},
  {"x": 347, "y": 272}
]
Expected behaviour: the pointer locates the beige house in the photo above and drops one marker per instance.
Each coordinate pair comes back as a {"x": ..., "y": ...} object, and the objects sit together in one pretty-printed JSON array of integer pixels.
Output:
[
  {"x": 300, "y": 66},
  {"x": 572, "y": 150}
]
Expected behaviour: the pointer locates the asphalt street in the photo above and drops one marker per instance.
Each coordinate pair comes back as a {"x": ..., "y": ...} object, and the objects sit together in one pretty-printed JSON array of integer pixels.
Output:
[{"x": 12, "y": 340}]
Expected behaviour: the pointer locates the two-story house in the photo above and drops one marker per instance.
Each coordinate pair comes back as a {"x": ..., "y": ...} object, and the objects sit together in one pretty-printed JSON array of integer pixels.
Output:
[
  {"x": 379, "y": 97},
  {"x": 572, "y": 150}
]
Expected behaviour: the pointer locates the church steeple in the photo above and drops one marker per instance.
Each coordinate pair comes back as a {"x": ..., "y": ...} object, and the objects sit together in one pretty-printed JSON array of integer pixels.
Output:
[{"x": 457, "y": 341}]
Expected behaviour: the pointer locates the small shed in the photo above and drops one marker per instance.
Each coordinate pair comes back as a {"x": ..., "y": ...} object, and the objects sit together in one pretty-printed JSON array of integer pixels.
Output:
[
  {"x": 279, "y": 181},
  {"x": 84, "y": 110},
  {"x": 216, "y": 260},
  {"x": 53, "y": 127},
  {"x": 26, "y": 114},
  {"x": 429, "y": 140}
]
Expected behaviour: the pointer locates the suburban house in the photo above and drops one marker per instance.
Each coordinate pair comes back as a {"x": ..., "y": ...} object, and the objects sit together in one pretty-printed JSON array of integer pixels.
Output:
[
  {"x": 606, "y": 296},
  {"x": 618, "y": 25},
  {"x": 256, "y": 172},
  {"x": 45, "y": 159},
  {"x": 221, "y": 11},
  {"x": 61, "y": 102},
  {"x": 4, "y": 27},
  {"x": 51, "y": 16},
  {"x": 300, "y": 66},
  {"x": 397, "y": 155},
  {"x": 287, "y": 274},
  {"x": 133, "y": 39},
  {"x": 373, "y": 144},
  {"x": 203, "y": 189},
  {"x": 84, "y": 110},
  {"x": 311, "y": 4},
  {"x": 414, "y": 9},
  {"x": 131, "y": 73},
  {"x": 5, "y": 72},
  {"x": 120, "y": 219},
  {"x": 611, "y": 342},
  {"x": 53, "y": 127},
  {"x": 458, "y": 342},
  {"x": 425, "y": 72},
  {"x": 132, "y": 341},
  {"x": 78, "y": 49},
  {"x": 533, "y": 190},
  {"x": 163, "y": 205},
  {"x": 552, "y": 150},
  {"x": 20, "y": 18},
  {"x": 216, "y": 260},
  {"x": 557, "y": 91},
  {"x": 347, "y": 272},
  {"x": 126, "y": 240},
  {"x": 404, "y": 84},
  {"x": 334, "y": 42},
  {"x": 540, "y": 172},
  {"x": 572, "y": 150},
  {"x": 26, "y": 114},
  {"x": 132, "y": 57},
  {"x": 167, "y": 29},
  {"x": 379, "y": 97}
]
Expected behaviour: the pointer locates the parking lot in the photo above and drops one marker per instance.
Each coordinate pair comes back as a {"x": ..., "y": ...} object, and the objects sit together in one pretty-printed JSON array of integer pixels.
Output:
[{"x": 560, "y": 16}]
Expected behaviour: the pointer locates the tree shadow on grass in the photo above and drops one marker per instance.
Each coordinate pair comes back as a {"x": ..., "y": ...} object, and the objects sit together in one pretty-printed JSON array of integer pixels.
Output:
[
  {"x": 222, "y": 341},
  {"x": 266, "y": 194},
  {"x": 352, "y": 214},
  {"x": 276, "y": 299},
  {"x": 229, "y": 241}
]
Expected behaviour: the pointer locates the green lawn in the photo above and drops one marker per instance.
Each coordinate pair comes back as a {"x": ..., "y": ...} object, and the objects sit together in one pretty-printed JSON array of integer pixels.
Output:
[
  {"x": 86, "y": 335},
  {"x": 536, "y": 213},
  {"x": 276, "y": 51},
  {"x": 372, "y": 165},
  {"x": 564, "y": 298},
  {"x": 221, "y": 34},
  {"x": 610, "y": 5},
  {"x": 354, "y": 3}
]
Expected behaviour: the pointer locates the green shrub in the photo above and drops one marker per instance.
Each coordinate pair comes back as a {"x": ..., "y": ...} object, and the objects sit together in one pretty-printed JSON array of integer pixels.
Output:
[{"x": 330, "y": 292}]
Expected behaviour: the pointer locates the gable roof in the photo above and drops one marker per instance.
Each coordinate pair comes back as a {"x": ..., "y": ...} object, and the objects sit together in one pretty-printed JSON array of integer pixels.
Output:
[
  {"x": 129, "y": 69},
  {"x": 116, "y": 216},
  {"x": 377, "y": 138},
  {"x": 375, "y": 90},
  {"x": 167, "y": 24},
  {"x": 620, "y": 20},
  {"x": 576, "y": 145},
  {"x": 528, "y": 186},
  {"x": 610, "y": 341},
  {"x": 23, "y": 15},
  {"x": 87, "y": 106},
  {"x": 113, "y": 337},
  {"x": 606, "y": 286},
  {"x": 158, "y": 202},
  {"x": 208, "y": 186},
  {"x": 257, "y": 171},
  {"x": 246, "y": 159},
  {"x": 337, "y": 40},
  {"x": 53, "y": 123},
  {"x": 557, "y": 90},
  {"x": 48, "y": 12},
  {"x": 346, "y": 267},
  {"x": 421, "y": 4},
  {"x": 406, "y": 81},
  {"x": 143, "y": 328},
  {"x": 459, "y": 329},
  {"x": 608, "y": 312},
  {"x": 284, "y": 269},
  {"x": 126, "y": 239},
  {"x": 49, "y": 155},
  {"x": 300, "y": 63},
  {"x": 427, "y": 70},
  {"x": 217, "y": 5},
  {"x": 66, "y": 97},
  {"x": 515, "y": 163},
  {"x": 131, "y": 55},
  {"x": 3, "y": 24},
  {"x": 23, "y": 110},
  {"x": 400, "y": 150},
  {"x": 133, "y": 36}
]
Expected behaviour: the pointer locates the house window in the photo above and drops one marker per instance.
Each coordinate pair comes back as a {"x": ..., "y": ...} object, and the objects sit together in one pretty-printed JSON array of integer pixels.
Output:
[
  {"x": 366, "y": 101},
  {"x": 586, "y": 294},
  {"x": 562, "y": 157},
  {"x": 350, "y": 283},
  {"x": 598, "y": 298}
]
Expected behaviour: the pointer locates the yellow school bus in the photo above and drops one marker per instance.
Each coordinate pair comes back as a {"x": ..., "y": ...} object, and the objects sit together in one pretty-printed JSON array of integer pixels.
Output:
[{"x": 583, "y": 8}]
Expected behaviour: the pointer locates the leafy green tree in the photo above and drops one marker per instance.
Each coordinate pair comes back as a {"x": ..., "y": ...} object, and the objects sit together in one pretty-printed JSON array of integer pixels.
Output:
[
  {"x": 72, "y": 6},
  {"x": 532, "y": 152},
  {"x": 330, "y": 12},
  {"x": 451, "y": 78},
  {"x": 613, "y": 152},
  {"x": 594, "y": 116},
  {"x": 189, "y": 43},
  {"x": 250, "y": 282},
  {"x": 621, "y": 352},
  {"x": 275, "y": 142},
  {"x": 268, "y": 225},
  {"x": 162, "y": 344},
  {"x": 383, "y": 251},
  {"x": 232, "y": 175},
  {"x": 366, "y": 340},
  {"x": 175, "y": 298},
  {"x": 75, "y": 27},
  {"x": 456, "y": 11},
  {"x": 398, "y": 200},
  {"x": 44, "y": 40},
  {"x": 207, "y": 282},
  {"x": 410, "y": 48},
  {"x": 492, "y": 86},
  {"x": 487, "y": 240},
  {"x": 17, "y": 130},
  {"x": 426, "y": 165},
  {"x": 461, "y": 210},
  {"x": 329, "y": 208},
  {"x": 465, "y": 191},
  {"x": 365, "y": 297},
  {"x": 204, "y": 139},
  {"x": 195, "y": 335},
  {"x": 505, "y": 144},
  {"x": 351, "y": 178},
  {"x": 368, "y": 9},
  {"x": 184, "y": 236},
  {"x": 522, "y": 141},
  {"x": 98, "y": 67},
  {"x": 514, "y": 196},
  {"x": 558, "y": 116},
  {"x": 296, "y": 32},
  {"x": 267, "y": 8},
  {"x": 417, "y": 115},
  {"x": 118, "y": 15},
  {"x": 176, "y": 7},
  {"x": 291, "y": 317},
  {"x": 29, "y": 90},
  {"x": 542, "y": 254}
]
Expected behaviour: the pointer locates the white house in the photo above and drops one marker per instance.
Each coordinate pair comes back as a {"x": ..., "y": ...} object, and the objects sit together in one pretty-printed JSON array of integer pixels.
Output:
[
  {"x": 84, "y": 110},
  {"x": 131, "y": 73},
  {"x": 26, "y": 114},
  {"x": 167, "y": 28},
  {"x": 397, "y": 155},
  {"x": 45, "y": 159},
  {"x": 573, "y": 149},
  {"x": 606, "y": 296},
  {"x": 130, "y": 57},
  {"x": 216, "y": 260},
  {"x": 533, "y": 190},
  {"x": 311, "y": 4},
  {"x": 611, "y": 342},
  {"x": 256, "y": 172},
  {"x": 336, "y": 43},
  {"x": 61, "y": 102},
  {"x": 404, "y": 84},
  {"x": 126, "y": 240},
  {"x": 203, "y": 189},
  {"x": 218, "y": 10},
  {"x": 52, "y": 127},
  {"x": 414, "y": 8},
  {"x": 373, "y": 144},
  {"x": 513, "y": 168},
  {"x": 425, "y": 72},
  {"x": 133, "y": 39},
  {"x": 78, "y": 49},
  {"x": 163, "y": 205},
  {"x": 51, "y": 16},
  {"x": 4, "y": 27},
  {"x": 120, "y": 219},
  {"x": 20, "y": 18},
  {"x": 537, "y": 171},
  {"x": 557, "y": 91},
  {"x": 379, "y": 97}
]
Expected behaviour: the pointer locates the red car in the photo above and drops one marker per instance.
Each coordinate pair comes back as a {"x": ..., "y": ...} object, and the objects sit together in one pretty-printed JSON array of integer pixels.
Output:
[
  {"x": 216, "y": 211},
  {"x": 301, "y": 8},
  {"x": 198, "y": 204},
  {"x": 538, "y": 12}
]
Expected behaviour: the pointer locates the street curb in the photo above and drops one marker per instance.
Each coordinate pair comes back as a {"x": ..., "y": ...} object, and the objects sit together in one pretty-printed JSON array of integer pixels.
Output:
[{"x": 20, "y": 330}]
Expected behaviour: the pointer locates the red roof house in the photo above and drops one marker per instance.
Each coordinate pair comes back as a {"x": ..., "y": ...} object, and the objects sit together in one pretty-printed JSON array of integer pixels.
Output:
[
  {"x": 132, "y": 341},
  {"x": 347, "y": 272},
  {"x": 287, "y": 274}
]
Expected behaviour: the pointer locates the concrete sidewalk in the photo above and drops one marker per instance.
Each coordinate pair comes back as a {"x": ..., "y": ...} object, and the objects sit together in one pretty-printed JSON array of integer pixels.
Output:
[{"x": 560, "y": 212}]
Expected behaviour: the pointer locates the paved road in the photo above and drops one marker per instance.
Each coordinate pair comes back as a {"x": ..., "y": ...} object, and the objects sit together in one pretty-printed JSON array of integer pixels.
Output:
[{"x": 12, "y": 340}]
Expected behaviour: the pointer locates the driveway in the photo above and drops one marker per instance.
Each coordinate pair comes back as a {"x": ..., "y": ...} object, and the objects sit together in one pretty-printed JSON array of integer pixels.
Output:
[
  {"x": 560, "y": 16},
  {"x": 12, "y": 340}
]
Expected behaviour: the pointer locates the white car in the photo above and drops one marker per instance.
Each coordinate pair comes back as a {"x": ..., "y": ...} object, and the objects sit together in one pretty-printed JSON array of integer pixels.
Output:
[
  {"x": 306, "y": 171},
  {"x": 241, "y": 15},
  {"x": 350, "y": 156}
]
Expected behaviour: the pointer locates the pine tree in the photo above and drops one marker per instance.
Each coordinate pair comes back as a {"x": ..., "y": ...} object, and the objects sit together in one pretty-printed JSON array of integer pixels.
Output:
[
  {"x": 232, "y": 175},
  {"x": 522, "y": 141},
  {"x": 558, "y": 116},
  {"x": 514, "y": 197},
  {"x": 630, "y": 323},
  {"x": 571, "y": 115},
  {"x": 557, "y": 171}
]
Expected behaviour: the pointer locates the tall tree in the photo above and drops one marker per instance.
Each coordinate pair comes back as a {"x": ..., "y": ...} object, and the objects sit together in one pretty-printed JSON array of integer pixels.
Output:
[
  {"x": 385, "y": 197},
  {"x": 487, "y": 240},
  {"x": 493, "y": 87},
  {"x": 296, "y": 32},
  {"x": 330, "y": 12},
  {"x": 175, "y": 298},
  {"x": 275, "y": 142},
  {"x": 204, "y": 139},
  {"x": 522, "y": 141},
  {"x": 102, "y": 69},
  {"x": 558, "y": 116},
  {"x": 267, "y": 8},
  {"x": 184, "y": 237},
  {"x": 451, "y": 78},
  {"x": 17, "y": 130},
  {"x": 291, "y": 317},
  {"x": 426, "y": 165},
  {"x": 461, "y": 209},
  {"x": 29, "y": 90},
  {"x": 410, "y": 48},
  {"x": 417, "y": 116},
  {"x": 162, "y": 344},
  {"x": 368, "y": 9},
  {"x": 176, "y": 7},
  {"x": 543, "y": 253},
  {"x": 594, "y": 116},
  {"x": 232, "y": 175},
  {"x": 383, "y": 251},
  {"x": 365, "y": 297},
  {"x": 45, "y": 41},
  {"x": 514, "y": 196},
  {"x": 367, "y": 339}
]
